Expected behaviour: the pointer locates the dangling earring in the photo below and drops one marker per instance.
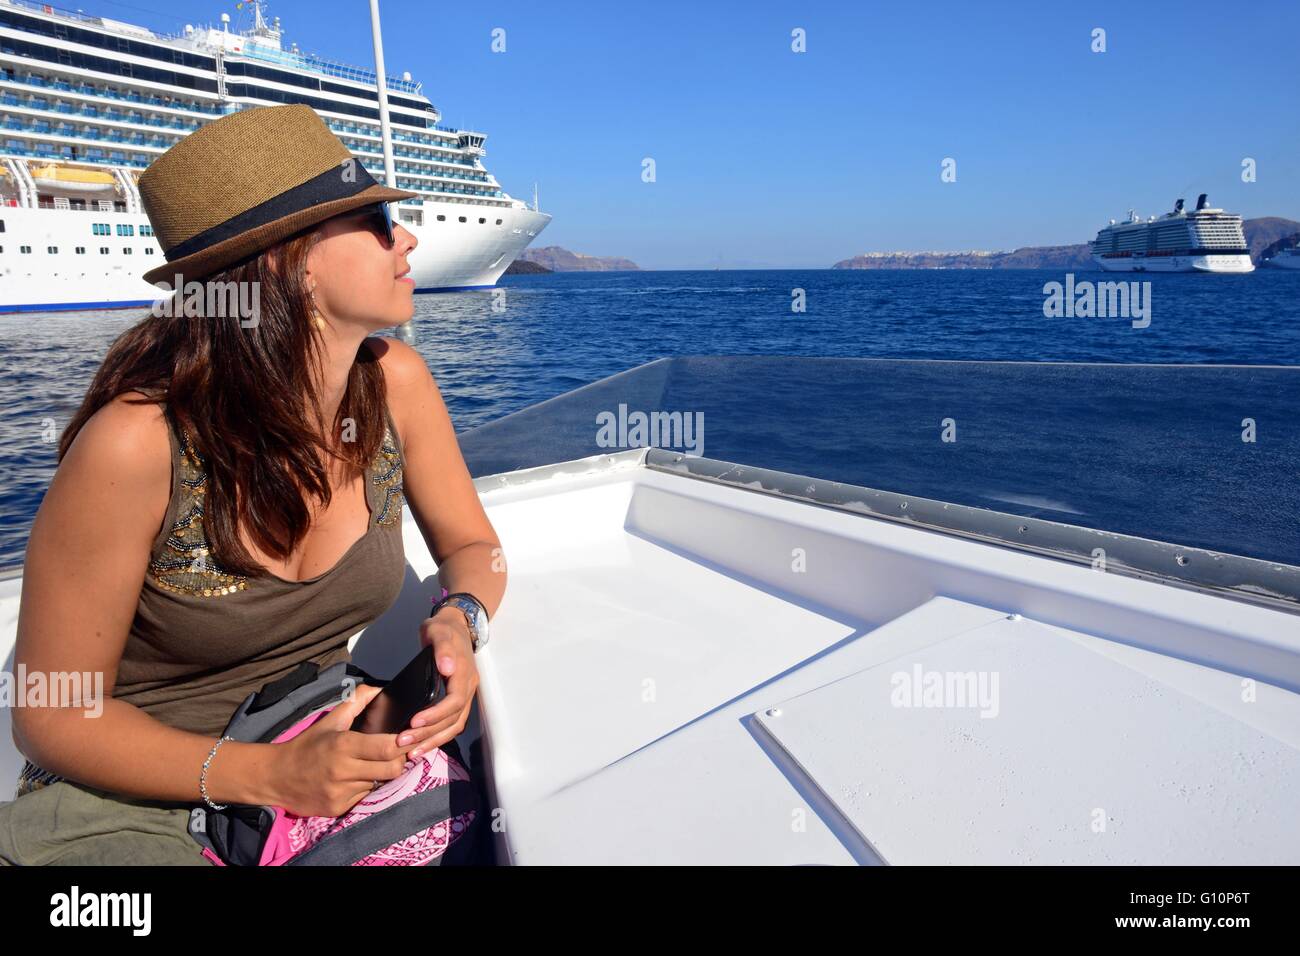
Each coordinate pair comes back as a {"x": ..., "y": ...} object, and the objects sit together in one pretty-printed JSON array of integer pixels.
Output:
[{"x": 316, "y": 317}]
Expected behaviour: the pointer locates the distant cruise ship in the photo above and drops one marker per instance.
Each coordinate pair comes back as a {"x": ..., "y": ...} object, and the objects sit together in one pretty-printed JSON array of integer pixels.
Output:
[
  {"x": 87, "y": 103},
  {"x": 1204, "y": 240},
  {"x": 1286, "y": 259}
]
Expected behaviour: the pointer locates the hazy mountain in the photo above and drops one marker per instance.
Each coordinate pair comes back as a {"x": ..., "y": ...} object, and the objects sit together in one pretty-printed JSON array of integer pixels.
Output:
[
  {"x": 1261, "y": 234},
  {"x": 558, "y": 259}
]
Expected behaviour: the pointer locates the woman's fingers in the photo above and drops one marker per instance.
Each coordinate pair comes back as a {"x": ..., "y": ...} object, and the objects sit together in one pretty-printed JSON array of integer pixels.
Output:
[
  {"x": 368, "y": 771},
  {"x": 341, "y": 717},
  {"x": 435, "y": 735},
  {"x": 461, "y": 686}
]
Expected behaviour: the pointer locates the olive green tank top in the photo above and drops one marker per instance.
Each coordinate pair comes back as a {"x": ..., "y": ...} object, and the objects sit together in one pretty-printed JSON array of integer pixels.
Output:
[{"x": 203, "y": 638}]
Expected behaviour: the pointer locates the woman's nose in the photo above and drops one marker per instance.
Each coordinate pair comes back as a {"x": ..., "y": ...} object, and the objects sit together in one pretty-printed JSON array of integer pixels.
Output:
[{"x": 407, "y": 238}]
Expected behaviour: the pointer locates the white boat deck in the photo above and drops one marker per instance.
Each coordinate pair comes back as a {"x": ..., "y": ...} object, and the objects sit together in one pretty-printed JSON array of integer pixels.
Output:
[{"x": 691, "y": 672}]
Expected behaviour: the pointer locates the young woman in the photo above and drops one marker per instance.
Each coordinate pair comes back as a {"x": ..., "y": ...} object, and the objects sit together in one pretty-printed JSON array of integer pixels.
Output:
[{"x": 228, "y": 504}]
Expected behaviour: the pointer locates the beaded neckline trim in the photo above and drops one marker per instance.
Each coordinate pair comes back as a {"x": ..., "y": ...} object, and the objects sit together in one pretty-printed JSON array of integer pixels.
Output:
[{"x": 184, "y": 564}]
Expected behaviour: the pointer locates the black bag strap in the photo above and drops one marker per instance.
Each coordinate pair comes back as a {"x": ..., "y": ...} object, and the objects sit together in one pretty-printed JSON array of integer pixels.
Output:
[{"x": 278, "y": 690}]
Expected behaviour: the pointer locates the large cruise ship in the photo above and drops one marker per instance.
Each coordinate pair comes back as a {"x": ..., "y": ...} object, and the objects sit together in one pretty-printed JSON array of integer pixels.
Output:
[
  {"x": 87, "y": 103},
  {"x": 1203, "y": 240}
]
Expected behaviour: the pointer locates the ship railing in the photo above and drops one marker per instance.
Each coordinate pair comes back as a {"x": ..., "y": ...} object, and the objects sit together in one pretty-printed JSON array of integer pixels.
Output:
[
  {"x": 371, "y": 150},
  {"x": 404, "y": 137},
  {"x": 46, "y": 153},
  {"x": 317, "y": 64},
  {"x": 107, "y": 93},
  {"x": 305, "y": 61},
  {"x": 59, "y": 12},
  {"x": 43, "y": 128},
  {"x": 99, "y": 115}
]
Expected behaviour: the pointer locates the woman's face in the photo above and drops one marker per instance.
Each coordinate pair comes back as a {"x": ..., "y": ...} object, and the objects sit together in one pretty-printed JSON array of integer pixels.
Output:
[{"x": 358, "y": 280}]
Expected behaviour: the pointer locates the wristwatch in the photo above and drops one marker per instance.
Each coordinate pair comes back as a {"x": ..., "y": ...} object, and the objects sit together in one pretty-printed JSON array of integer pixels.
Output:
[{"x": 475, "y": 615}]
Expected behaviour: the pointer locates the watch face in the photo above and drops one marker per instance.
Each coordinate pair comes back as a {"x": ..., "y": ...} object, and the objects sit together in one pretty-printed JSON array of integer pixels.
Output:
[{"x": 476, "y": 618}]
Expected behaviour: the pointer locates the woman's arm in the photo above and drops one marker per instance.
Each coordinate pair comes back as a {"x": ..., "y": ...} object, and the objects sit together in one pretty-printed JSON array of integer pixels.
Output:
[
  {"x": 436, "y": 482},
  {"x": 85, "y": 565},
  {"x": 447, "y": 510}
]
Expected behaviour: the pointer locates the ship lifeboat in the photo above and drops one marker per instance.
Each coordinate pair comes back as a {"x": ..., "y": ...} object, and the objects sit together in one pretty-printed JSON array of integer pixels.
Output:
[{"x": 71, "y": 179}]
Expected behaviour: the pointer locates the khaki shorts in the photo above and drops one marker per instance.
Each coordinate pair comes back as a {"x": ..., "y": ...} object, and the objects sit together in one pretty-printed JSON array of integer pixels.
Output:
[{"x": 68, "y": 823}]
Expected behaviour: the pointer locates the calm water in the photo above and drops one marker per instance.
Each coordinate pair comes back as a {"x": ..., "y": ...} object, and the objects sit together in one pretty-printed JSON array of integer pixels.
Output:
[{"x": 558, "y": 332}]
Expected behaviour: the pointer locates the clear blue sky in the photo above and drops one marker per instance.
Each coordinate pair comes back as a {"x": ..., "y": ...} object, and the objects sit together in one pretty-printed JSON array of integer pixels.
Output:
[{"x": 770, "y": 158}]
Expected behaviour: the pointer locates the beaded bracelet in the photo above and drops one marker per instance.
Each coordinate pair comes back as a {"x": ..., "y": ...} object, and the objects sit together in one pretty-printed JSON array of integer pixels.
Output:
[{"x": 203, "y": 776}]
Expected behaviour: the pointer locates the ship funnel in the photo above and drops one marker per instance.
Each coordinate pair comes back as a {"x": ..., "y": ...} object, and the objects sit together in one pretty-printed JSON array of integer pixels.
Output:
[
  {"x": 1178, "y": 206},
  {"x": 1201, "y": 201}
]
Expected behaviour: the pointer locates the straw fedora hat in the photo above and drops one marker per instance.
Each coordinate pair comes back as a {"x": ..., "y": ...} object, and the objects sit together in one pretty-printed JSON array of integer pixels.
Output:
[{"x": 244, "y": 182}]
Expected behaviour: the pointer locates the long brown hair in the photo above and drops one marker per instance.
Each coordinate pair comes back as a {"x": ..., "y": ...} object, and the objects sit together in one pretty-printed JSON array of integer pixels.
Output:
[{"x": 248, "y": 400}]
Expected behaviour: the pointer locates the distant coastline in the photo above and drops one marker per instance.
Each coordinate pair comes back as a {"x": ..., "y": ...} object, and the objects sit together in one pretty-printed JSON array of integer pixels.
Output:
[
  {"x": 559, "y": 259},
  {"x": 1262, "y": 236}
]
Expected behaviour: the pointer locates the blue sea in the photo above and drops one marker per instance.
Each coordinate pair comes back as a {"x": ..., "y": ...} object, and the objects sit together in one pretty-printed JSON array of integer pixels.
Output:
[{"x": 496, "y": 352}]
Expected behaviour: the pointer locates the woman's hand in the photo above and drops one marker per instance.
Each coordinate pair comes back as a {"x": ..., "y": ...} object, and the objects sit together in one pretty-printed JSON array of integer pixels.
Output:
[
  {"x": 453, "y": 652},
  {"x": 328, "y": 767}
]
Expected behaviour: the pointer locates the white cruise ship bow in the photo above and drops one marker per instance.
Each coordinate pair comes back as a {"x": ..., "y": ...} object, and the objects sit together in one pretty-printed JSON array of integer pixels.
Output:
[{"x": 87, "y": 103}]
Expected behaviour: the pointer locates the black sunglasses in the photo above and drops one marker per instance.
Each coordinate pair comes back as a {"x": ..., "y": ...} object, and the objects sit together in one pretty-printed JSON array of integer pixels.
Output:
[{"x": 380, "y": 219}]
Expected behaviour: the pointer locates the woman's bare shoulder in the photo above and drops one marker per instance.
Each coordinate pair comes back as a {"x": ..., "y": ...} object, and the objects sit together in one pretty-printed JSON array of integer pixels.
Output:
[
  {"x": 124, "y": 445},
  {"x": 411, "y": 388},
  {"x": 403, "y": 366}
]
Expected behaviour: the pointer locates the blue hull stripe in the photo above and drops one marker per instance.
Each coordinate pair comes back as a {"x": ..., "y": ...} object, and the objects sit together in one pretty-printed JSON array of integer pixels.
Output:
[{"x": 86, "y": 306}]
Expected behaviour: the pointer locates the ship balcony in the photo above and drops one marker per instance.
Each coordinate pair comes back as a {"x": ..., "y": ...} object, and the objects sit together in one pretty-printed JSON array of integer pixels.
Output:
[
  {"x": 92, "y": 114},
  {"x": 89, "y": 90},
  {"x": 45, "y": 130},
  {"x": 368, "y": 149},
  {"x": 48, "y": 152}
]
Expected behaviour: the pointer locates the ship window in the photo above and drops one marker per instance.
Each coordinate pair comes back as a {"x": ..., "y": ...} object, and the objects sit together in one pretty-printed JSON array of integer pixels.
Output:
[
  {"x": 498, "y": 222},
  {"x": 103, "y": 250},
  {"x": 81, "y": 250},
  {"x": 52, "y": 250},
  {"x": 126, "y": 251},
  {"x": 148, "y": 250},
  {"x": 481, "y": 220},
  {"x": 25, "y": 250},
  {"x": 462, "y": 218},
  {"x": 441, "y": 217},
  {"x": 2, "y": 225}
]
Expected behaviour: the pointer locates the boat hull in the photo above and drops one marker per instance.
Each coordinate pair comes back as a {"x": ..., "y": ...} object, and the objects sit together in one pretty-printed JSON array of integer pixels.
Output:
[
  {"x": 1211, "y": 263},
  {"x": 449, "y": 254}
]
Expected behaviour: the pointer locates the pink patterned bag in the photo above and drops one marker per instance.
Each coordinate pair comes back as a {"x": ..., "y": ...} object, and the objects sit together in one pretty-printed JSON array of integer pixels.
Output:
[{"x": 426, "y": 816}]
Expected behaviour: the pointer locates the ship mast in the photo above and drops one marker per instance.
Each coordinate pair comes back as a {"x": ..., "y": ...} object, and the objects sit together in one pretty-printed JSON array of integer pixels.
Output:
[{"x": 386, "y": 132}]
